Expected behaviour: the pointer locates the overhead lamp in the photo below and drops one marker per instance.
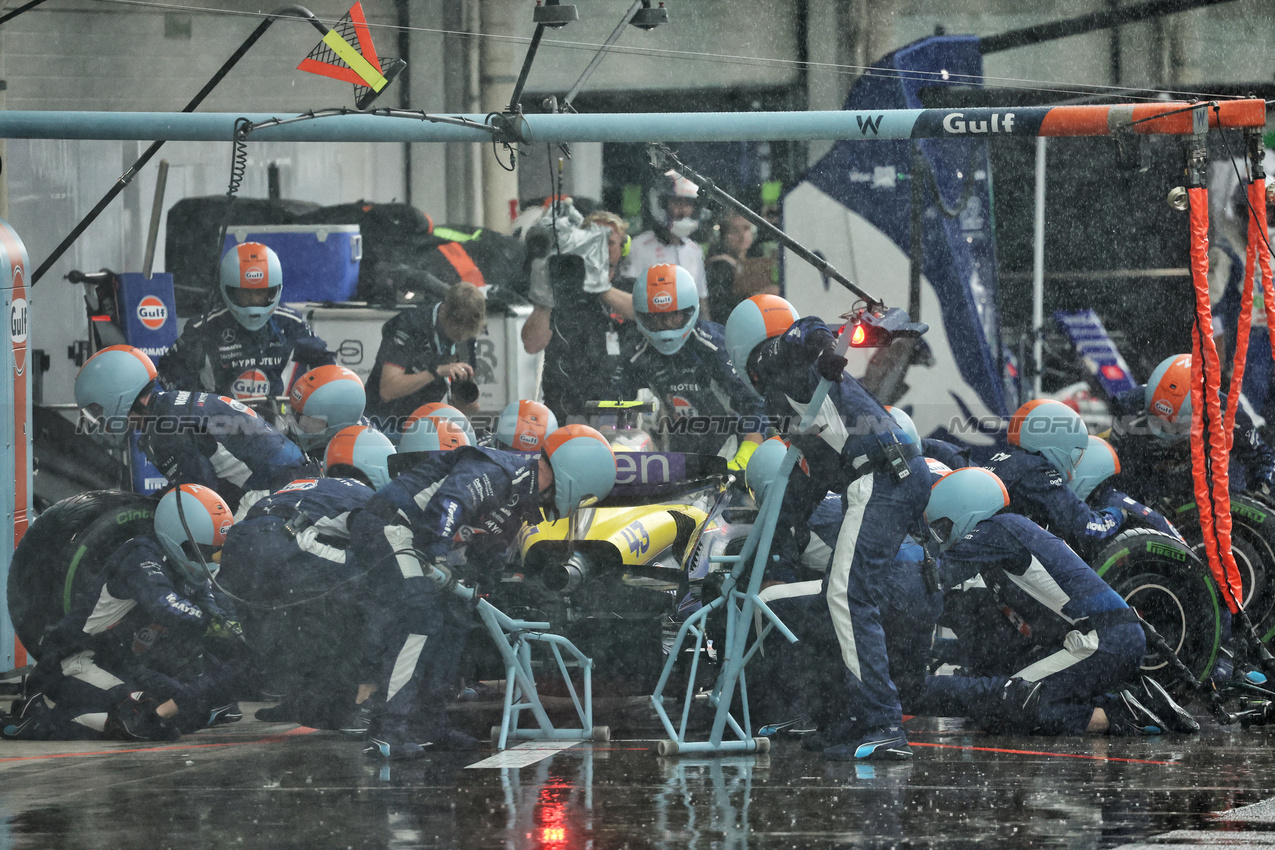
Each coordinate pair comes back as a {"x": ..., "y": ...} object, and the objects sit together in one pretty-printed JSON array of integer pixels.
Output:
[
  {"x": 647, "y": 18},
  {"x": 549, "y": 13}
]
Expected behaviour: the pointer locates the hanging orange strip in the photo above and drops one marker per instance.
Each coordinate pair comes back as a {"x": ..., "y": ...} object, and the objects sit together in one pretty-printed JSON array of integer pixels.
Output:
[{"x": 1209, "y": 454}]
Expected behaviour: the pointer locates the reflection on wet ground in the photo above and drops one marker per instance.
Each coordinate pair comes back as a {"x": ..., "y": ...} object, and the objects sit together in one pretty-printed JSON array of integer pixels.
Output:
[{"x": 263, "y": 785}]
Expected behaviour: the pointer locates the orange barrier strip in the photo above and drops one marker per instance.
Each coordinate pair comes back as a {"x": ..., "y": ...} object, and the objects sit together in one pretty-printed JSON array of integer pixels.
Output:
[
  {"x": 271, "y": 739},
  {"x": 1209, "y": 445},
  {"x": 1037, "y": 753}
]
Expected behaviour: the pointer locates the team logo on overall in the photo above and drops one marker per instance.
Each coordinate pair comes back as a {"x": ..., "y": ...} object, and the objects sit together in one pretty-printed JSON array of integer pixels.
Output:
[
  {"x": 152, "y": 312},
  {"x": 251, "y": 384},
  {"x": 300, "y": 484},
  {"x": 681, "y": 407},
  {"x": 238, "y": 405}
]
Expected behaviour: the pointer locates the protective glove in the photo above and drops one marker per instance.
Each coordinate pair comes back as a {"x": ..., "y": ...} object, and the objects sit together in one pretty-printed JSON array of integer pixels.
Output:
[
  {"x": 1262, "y": 486},
  {"x": 740, "y": 461},
  {"x": 1141, "y": 513},
  {"x": 829, "y": 364},
  {"x": 226, "y": 629}
]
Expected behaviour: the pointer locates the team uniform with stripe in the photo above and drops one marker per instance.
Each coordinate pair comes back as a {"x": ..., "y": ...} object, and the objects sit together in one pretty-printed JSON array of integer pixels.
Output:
[
  {"x": 473, "y": 497},
  {"x": 696, "y": 382},
  {"x": 291, "y": 556},
  {"x": 879, "y": 509},
  {"x": 1032, "y": 609},
  {"x": 217, "y": 442},
  {"x": 136, "y": 627},
  {"x": 216, "y": 354},
  {"x": 1039, "y": 492}
]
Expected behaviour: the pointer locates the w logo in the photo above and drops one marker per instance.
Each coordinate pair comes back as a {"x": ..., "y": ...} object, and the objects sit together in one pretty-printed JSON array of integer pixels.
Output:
[{"x": 872, "y": 122}]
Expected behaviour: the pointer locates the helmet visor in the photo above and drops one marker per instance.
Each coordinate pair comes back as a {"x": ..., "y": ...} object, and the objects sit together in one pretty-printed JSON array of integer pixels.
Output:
[
  {"x": 674, "y": 320},
  {"x": 941, "y": 529},
  {"x": 193, "y": 551},
  {"x": 240, "y": 297}
]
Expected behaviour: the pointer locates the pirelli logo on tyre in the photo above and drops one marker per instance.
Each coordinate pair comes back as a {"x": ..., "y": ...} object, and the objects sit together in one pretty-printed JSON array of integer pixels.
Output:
[{"x": 1166, "y": 551}]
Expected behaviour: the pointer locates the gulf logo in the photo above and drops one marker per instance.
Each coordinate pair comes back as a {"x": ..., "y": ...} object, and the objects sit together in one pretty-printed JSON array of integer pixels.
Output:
[
  {"x": 152, "y": 312},
  {"x": 253, "y": 277},
  {"x": 661, "y": 299},
  {"x": 251, "y": 384}
]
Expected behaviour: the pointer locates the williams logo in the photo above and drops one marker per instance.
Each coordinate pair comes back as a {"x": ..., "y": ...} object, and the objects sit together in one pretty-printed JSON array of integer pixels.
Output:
[{"x": 152, "y": 312}]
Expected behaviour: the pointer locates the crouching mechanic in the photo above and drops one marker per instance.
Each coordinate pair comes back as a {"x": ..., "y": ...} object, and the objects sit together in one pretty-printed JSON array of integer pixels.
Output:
[
  {"x": 246, "y": 349},
  {"x": 132, "y": 658},
  {"x": 1056, "y": 646},
  {"x": 476, "y": 497},
  {"x": 290, "y": 557},
  {"x": 192, "y": 438},
  {"x": 1046, "y": 441},
  {"x": 683, "y": 361},
  {"x": 862, "y": 453}
]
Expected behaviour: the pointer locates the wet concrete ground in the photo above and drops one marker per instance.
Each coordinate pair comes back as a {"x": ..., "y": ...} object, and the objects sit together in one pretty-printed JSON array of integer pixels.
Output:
[{"x": 276, "y": 785}]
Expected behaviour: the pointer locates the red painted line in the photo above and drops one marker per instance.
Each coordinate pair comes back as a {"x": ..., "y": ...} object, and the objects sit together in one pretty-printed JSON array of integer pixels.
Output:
[
  {"x": 272, "y": 739},
  {"x": 1038, "y": 753}
]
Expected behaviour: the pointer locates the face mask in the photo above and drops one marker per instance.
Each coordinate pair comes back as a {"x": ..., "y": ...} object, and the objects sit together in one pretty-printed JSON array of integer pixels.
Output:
[{"x": 683, "y": 227}]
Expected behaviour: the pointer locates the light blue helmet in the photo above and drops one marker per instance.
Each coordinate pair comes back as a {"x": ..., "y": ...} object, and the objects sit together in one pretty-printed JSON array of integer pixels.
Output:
[
  {"x": 433, "y": 433},
  {"x": 753, "y": 321},
  {"x": 323, "y": 401},
  {"x": 208, "y": 518},
  {"x": 1052, "y": 430},
  {"x": 1168, "y": 399},
  {"x": 1099, "y": 463},
  {"x": 446, "y": 411},
  {"x": 667, "y": 305},
  {"x": 763, "y": 466},
  {"x": 111, "y": 380},
  {"x": 583, "y": 467},
  {"x": 906, "y": 423},
  {"x": 961, "y": 500},
  {"x": 364, "y": 448},
  {"x": 523, "y": 426},
  {"x": 251, "y": 283}
]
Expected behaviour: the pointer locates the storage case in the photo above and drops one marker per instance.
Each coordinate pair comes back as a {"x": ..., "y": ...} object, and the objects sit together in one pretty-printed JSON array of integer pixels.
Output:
[{"x": 320, "y": 261}]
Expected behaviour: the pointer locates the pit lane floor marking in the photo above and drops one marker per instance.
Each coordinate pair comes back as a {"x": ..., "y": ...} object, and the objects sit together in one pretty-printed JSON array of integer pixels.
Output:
[
  {"x": 269, "y": 739},
  {"x": 1036, "y": 753},
  {"x": 524, "y": 754}
]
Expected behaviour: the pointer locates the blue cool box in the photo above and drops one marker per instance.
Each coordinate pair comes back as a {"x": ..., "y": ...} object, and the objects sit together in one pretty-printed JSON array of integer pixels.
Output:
[{"x": 320, "y": 261}]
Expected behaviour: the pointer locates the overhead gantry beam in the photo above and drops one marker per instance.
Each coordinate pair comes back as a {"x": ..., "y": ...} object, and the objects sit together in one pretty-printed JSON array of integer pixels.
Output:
[{"x": 1167, "y": 118}]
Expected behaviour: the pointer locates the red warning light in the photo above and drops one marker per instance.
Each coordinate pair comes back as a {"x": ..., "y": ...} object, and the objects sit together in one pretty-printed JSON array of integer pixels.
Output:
[
  {"x": 553, "y": 835},
  {"x": 858, "y": 336}
]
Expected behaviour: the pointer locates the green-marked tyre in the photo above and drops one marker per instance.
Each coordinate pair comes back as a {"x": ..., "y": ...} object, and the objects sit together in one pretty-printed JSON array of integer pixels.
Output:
[
  {"x": 64, "y": 549},
  {"x": 1165, "y": 582},
  {"x": 1253, "y": 545}
]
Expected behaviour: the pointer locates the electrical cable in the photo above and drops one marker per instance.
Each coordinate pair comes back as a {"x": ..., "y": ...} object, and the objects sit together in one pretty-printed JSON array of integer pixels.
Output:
[{"x": 844, "y": 69}]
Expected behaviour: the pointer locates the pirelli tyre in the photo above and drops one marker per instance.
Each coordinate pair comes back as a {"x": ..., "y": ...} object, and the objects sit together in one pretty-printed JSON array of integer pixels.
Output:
[
  {"x": 1165, "y": 582},
  {"x": 64, "y": 549},
  {"x": 1253, "y": 546}
]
